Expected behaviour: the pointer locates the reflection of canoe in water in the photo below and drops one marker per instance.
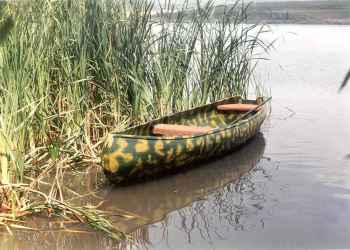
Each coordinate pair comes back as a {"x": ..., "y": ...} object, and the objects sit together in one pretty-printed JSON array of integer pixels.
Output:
[
  {"x": 180, "y": 139},
  {"x": 152, "y": 201}
]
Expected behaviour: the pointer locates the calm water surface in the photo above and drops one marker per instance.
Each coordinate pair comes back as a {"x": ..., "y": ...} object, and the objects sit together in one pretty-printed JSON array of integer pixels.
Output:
[{"x": 288, "y": 188}]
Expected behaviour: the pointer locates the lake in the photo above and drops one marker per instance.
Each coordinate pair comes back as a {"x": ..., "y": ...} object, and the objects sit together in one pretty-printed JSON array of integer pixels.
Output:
[{"x": 289, "y": 187}]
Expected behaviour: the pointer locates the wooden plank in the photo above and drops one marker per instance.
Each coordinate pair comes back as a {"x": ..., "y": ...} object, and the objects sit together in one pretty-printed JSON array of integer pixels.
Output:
[
  {"x": 240, "y": 107},
  {"x": 178, "y": 130}
]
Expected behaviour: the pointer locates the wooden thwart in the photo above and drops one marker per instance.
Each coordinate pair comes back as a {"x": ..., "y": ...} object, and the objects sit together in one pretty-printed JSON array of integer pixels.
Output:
[
  {"x": 178, "y": 130},
  {"x": 240, "y": 107}
]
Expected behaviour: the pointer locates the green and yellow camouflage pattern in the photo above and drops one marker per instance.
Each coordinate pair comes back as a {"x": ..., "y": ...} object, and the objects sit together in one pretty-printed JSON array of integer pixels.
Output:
[{"x": 137, "y": 153}]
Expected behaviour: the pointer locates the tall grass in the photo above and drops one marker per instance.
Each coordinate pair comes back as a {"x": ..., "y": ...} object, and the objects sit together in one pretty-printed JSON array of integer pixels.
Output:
[{"x": 72, "y": 70}]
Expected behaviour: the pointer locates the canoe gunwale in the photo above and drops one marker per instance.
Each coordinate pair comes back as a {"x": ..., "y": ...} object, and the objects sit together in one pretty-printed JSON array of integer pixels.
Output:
[
  {"x": 120, "y": 134},
  {"x": 214, "y": 131}
]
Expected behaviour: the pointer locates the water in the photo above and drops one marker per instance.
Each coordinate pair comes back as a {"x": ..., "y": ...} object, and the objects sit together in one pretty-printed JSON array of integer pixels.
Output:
[{"x": 288, "y": 188}]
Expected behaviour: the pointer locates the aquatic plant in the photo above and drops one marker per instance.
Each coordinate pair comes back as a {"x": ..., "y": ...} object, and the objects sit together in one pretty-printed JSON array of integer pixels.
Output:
[
  {"x": 345, "y": 81},
  {"x": 72, "y": 70},
  {"x": 6, "y": 20}
]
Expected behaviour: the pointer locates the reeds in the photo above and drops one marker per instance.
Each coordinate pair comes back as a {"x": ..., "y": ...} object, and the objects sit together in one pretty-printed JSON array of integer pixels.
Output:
[{"x": 71, "y": 70}]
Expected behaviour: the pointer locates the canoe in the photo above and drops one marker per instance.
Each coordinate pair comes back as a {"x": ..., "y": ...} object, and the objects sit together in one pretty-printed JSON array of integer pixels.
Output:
[{"x": 145, "y": 150}]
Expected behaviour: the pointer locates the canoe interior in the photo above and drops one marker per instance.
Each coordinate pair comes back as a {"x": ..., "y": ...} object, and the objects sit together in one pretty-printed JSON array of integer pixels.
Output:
[{"x": 203, "y": 116}]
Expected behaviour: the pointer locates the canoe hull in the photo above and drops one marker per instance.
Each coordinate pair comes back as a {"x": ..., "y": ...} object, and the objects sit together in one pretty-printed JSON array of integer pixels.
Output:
[{"x": 126, "y": 157}]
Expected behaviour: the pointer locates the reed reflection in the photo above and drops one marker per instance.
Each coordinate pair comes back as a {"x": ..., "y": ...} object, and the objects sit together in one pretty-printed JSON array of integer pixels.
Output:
[
  {"x": 68, "y": 239},
  {"x": 192, "y": 201}
]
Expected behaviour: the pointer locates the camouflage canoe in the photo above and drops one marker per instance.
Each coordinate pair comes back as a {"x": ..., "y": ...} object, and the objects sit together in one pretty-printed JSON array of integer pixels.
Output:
[{"x": 137, "y": 153}]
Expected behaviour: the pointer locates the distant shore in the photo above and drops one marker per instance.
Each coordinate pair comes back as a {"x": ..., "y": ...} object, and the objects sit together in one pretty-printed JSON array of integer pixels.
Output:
[{"x": 336, "y": 12}]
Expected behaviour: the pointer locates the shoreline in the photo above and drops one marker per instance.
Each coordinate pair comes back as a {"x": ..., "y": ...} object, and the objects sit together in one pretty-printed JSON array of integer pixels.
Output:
[{"x": 294, "y": 12}]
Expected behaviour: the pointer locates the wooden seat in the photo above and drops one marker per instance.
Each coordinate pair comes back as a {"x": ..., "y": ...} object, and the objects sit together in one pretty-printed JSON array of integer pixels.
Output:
[
  {"x": 239, "y": 107},
  {"x": 178, "y": 130}
]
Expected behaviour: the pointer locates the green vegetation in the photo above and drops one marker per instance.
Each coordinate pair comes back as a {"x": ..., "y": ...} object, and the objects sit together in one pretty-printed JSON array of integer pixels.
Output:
[
  {"x": 71, "y": 70},
  {"x": 6, "y": 21}
]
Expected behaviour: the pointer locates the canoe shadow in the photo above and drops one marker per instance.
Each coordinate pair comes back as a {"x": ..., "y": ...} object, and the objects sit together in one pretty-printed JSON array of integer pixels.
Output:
[{"x": 149, "y": 202}]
